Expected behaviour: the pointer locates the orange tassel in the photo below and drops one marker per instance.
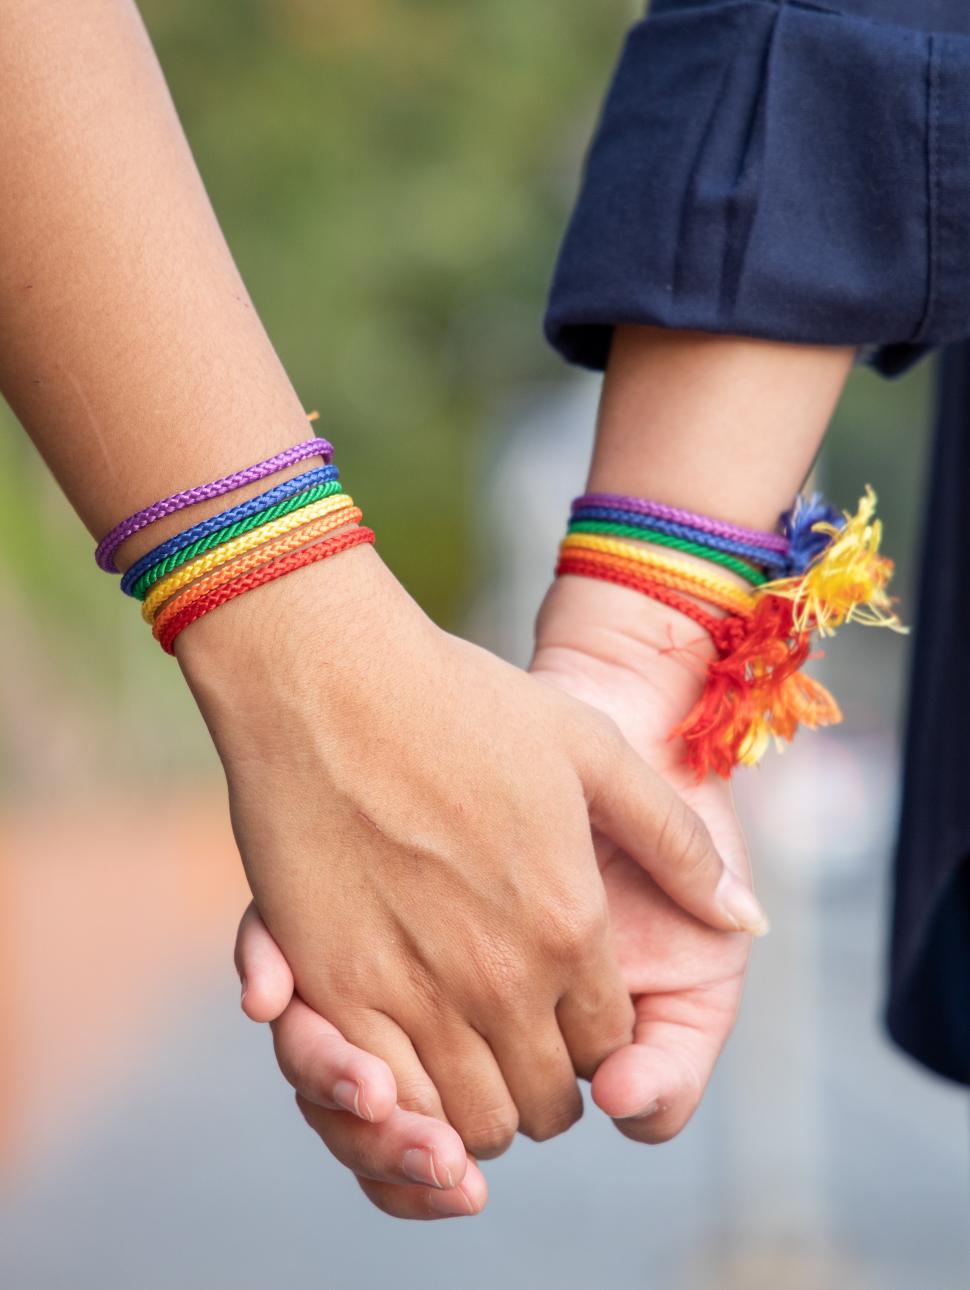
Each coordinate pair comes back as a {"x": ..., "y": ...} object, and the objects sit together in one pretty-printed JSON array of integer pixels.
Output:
[{"x": 755, "y": 691}]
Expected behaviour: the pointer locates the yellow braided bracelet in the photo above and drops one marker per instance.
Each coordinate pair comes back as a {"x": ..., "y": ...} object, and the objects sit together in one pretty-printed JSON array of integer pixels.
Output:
[
  {"x": 228, "y": 551},
  {"x": 667, "y": 570}
]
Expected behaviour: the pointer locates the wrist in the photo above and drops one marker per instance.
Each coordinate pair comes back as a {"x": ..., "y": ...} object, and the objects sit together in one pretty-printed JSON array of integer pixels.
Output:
[
  {"x": 637, "y": 660},
  {"x": 623, "y": 627},
  {"x": 313, "y": 620}
]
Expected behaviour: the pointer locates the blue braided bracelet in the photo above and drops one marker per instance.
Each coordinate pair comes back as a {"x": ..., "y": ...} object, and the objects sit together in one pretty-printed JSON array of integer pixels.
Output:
[
  {"x": 241, "y": 512},
  {"x": 761, "y": 555}
]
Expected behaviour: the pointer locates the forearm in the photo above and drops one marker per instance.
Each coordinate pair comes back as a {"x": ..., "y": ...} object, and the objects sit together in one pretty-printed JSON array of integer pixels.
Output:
[
  {"x": 724, "y": 425},
  {"x": 129, "y": 348}
]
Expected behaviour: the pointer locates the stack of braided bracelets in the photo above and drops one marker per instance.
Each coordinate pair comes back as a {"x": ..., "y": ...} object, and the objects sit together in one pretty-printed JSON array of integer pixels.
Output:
[
  {"x": 819, "y": 570},
  {"x": 292, "y": 524}
]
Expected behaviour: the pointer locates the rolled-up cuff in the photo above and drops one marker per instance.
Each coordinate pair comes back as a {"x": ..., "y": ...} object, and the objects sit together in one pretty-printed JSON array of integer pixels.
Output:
[{"x": 775, "y": 170}]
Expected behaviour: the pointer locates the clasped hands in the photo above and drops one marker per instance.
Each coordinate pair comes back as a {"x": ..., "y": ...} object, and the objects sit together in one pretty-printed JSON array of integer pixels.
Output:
[{"x": 476, "y": 883}]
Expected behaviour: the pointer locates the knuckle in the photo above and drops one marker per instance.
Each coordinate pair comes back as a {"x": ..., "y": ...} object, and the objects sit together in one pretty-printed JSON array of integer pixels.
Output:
[
  {"x": 573, "y": 926},
  {"x": 416, "y": 1095},
  {"x": 553, "y": 1119},
  {"x": 490, "y": 1134},
  {"x": 502, "y": 976},
  {"x": 684, "y": 838}
]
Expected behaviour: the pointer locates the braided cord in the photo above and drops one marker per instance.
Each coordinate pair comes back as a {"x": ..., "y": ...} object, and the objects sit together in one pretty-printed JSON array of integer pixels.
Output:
[
  {"x": 268, "y": 573},
  {"x": 105, "y": 551},
  {"x": 187, "y": 573},
  {"x": 759, "y": 554},
  {"x": 715, "y": 590},
  {"x": 674, "y": 514},
  {"x": 608, "y": 529},
  {"x": 607, "y": 572},
  {"x": 298, "y": 484},
  {"x": 666, "y": 578},
  {"x": 229, "y": 531},
  {"x": 726, "y": 633},
  {"x": 254, "y": 559}
]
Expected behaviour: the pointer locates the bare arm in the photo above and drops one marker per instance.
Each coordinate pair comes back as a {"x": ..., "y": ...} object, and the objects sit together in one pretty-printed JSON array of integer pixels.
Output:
[{"x": 129, "y": 348}]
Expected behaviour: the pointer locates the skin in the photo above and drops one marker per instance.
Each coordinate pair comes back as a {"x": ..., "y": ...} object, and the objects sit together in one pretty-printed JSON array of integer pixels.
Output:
[
  {"x": 686, "y": 419},
  {"x": 415, "y": 816}
]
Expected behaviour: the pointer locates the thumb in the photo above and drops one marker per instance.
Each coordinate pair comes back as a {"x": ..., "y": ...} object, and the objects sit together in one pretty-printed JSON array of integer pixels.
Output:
[
  {"x": 267, "y": 982},
  {"x": 642, "y": 814}
]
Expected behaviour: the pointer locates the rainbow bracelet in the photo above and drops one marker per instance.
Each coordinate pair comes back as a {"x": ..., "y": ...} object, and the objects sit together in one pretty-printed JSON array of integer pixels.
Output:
[
  {"x": 296, "y": 523},
  {"x": 589, "y": 517},
  {"x": 754, "y": 690},
  {"x": 219, "y": 537},
  {"x": 228, "y": 551},
  {"x": 106, "y": 549},
  {"x": 235, "y": 515},
  {"x": 282, "y": 545},
  {"x": 259, "y": 577},
  {"x": 674, "y": 515},
  {"x": 607, "y": 528}
]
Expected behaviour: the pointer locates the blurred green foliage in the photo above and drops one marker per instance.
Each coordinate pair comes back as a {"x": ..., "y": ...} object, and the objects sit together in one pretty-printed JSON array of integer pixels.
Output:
[{"x": 393, "y": 177}]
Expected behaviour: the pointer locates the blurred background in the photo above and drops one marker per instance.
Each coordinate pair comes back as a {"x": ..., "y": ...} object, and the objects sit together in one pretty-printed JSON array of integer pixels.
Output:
[{"x": 393, "y": 179}]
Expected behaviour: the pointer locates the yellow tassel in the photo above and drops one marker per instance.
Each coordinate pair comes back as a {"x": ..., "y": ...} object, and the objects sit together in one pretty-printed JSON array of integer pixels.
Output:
[{"x": 847, "y": 583}]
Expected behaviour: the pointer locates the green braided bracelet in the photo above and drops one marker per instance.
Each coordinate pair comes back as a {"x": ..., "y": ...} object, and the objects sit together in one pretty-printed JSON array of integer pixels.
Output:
[
  {"x": 750, "y": 574},
  {"x": 170, "y": 562}
]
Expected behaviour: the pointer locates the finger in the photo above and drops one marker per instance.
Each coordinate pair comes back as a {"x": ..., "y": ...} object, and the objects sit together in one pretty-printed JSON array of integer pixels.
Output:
[
  {"x": 404, "y": 1148},
  {"x": 539, "y": 1075},
  {"x": 267, "y": 982},
  {"x": 327, "y": 1070},
  {"x": 376, "y": 1033},
  {"x": 596, "y": 1014},
  {"x": 425, "y": 1203},
  {"x": 652, "y": 1087},
  {"x": 637, "y": 810},
  {"x": 474, "y": 1095}
]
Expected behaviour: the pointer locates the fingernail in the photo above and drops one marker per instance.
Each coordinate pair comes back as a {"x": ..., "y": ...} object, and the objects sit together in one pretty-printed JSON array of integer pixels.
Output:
[
  {"x": 244, "y": 986},
  {"x": 450, "y": 1204},
  {"x": 419, "y": 1165},
  {"x": 346, "y": 1093},
  {"x": 741, "y": 906},
  {"x": 645, "y": 1114}
]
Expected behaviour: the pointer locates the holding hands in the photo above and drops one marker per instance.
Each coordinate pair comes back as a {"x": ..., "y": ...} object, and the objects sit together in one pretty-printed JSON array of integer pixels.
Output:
[
  {"x": 475, "y": 884},
  {"x": 640, "y": 994},
  {"x": 657, "y": 867}
]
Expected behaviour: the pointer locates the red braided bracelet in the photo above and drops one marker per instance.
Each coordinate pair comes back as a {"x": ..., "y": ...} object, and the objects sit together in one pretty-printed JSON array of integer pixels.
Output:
[
  {"x": 640, "y": 582},
  {"x": 268, "y": 573}
]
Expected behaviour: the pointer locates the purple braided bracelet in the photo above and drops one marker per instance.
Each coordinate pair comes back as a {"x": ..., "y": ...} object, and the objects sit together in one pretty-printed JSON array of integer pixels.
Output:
[
  {"x": 673, "y": 514},
  {"x": 106, "y": 548}
]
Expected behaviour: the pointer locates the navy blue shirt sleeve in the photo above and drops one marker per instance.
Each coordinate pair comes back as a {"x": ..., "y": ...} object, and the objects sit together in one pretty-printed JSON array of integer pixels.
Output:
[{"x": 783, "y": 169}]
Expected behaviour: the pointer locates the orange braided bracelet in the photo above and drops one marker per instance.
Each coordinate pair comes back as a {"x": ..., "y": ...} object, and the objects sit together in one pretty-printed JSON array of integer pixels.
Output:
[
  {"x": 613, "y": 571},
  {"x": 665, "y": 572},
  {"x": 282, "y": 545}
]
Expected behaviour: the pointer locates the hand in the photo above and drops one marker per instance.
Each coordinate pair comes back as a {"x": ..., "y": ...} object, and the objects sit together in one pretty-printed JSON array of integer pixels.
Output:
[
  {"x": 408, "y": 1162},
  {"x": 612, "y": 648},
  {"x": 599, "y": 642},
  {"x": 414, "y": 817}
]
